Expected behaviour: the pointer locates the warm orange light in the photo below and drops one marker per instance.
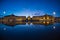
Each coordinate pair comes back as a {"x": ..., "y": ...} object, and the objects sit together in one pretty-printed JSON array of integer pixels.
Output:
[
  {"x": 43, "y": 17},
  {"x": 47, "y": 22},
  {"x": 44, "y": 22},
  {"x": 19, "y": 19},
  {"x": 47, "y": 17},
  {"x": 28, "y": 17}
]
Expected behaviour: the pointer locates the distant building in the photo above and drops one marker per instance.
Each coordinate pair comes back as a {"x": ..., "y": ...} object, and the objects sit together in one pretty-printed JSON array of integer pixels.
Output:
[
  {"x": 13, "y": 20},
  {"x": 43, "y": 18},
  {"x": 57, "y": 19}
]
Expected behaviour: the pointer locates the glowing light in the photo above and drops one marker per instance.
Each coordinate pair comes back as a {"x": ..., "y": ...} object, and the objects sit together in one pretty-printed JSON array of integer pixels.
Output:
[
  {"x": 54, "y": 13},
  {"x": 47, "y": 17},
  {"x": 4, "y": 29},
  {"x": 26, "y": 23},
  {"x": 31, "y": 24},
  {"x": 47, "y": 22},
  {"x": 19, "y": 19},
  {"x": 44, "y": 18},
  {"x": 29, "y": 18},
  {"x": 4, "y": 12},
  {"x": 44, "y": 22},
  {"x": 54, "y": 27}
]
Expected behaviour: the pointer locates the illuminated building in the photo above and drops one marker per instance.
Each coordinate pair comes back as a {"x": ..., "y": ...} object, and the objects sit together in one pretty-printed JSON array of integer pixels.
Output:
[
  {"x": 13, "y": 20},
  {"x": 43, "y": 18}
]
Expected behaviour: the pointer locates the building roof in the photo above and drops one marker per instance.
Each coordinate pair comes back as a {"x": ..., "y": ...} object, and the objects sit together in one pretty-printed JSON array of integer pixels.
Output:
[{"x": 9, "y": 15}]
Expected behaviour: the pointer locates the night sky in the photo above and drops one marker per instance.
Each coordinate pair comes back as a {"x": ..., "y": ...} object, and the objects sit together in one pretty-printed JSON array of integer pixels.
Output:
[{"x": 29, "y": 7}]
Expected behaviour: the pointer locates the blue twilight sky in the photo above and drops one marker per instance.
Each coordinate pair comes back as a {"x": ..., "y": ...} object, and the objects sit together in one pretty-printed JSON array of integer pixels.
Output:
[{"x": 29, "y": 7}]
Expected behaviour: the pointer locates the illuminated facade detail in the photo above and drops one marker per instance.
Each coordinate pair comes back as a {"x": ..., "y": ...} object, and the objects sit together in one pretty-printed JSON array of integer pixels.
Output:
[
  {"x": 48, "y": 18},
  {"x": 47, "y": 22},
  {"x": 13, "y": 20},
  {"x": 29, "y": 18},
  {"x": 43, "y": 18},
  {"x": 44, "y": 22}
]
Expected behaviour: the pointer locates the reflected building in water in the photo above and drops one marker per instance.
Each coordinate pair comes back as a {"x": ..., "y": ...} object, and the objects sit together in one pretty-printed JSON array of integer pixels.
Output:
[{"x": 15, "y": 20}]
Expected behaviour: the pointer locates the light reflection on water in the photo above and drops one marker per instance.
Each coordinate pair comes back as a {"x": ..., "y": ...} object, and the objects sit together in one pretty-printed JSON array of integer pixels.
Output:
[
  {"x": 30, "y": 27},
  {"x": 29, "y": 31}
]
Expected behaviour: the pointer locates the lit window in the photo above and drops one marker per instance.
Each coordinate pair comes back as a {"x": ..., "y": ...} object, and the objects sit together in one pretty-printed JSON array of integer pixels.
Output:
[
  {"x": 44, "y": 22},
  {"x": 43, "y": 17},
  {"x": 47, "y": 17},
  {"x": 47, "y": 22}
]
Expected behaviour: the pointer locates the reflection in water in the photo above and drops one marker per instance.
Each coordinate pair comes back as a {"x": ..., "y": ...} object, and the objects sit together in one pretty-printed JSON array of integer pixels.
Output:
[
  {"x": 13, "y": 20},
  {"x": 29, "y": 32},
  {"x": 33, "y": 22},
  {"x": 4, "y": 28},
  {"x": 54, "y": 27}
]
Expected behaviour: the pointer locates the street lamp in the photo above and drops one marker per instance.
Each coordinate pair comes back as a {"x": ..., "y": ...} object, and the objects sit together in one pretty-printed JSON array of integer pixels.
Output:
[
  {"x": 54, "y": 14},
  {"x": 4, "y": 12},
  {"x": 54, "y": 18}
]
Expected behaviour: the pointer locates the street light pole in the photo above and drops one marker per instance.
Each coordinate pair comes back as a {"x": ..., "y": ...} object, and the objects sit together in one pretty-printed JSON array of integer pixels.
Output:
[{"x": 54, "y": 15}]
